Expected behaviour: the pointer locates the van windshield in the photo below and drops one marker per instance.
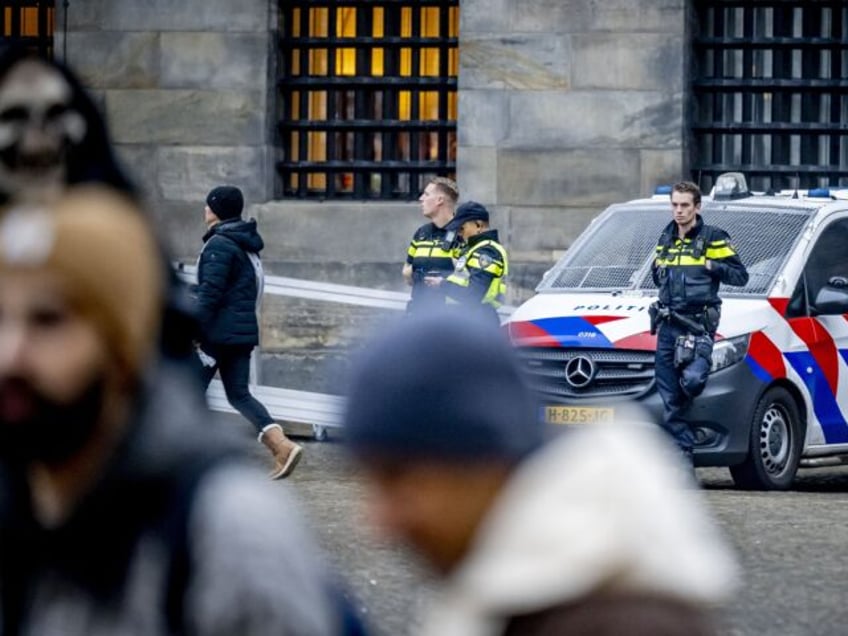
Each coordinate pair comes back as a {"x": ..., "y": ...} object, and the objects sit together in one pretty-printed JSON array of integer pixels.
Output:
[{"x": 615, "y": 252}]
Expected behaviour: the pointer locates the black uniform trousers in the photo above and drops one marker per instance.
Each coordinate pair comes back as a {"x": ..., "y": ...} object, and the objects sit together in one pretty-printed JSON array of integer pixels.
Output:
[{"x": 676, "y": 401}]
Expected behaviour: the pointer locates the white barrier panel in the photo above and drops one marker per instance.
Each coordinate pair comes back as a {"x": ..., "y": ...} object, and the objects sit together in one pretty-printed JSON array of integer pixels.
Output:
[
  {"x": 320, "y": 410},
  {"x": 329, "y": 292}
]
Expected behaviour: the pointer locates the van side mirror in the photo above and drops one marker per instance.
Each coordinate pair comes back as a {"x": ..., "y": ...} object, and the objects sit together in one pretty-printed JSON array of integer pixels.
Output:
[{"x": 832, "y": 299}]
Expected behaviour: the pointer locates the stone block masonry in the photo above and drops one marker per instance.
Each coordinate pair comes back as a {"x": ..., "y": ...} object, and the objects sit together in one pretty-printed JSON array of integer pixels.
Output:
[
  {"x": 565, "y": 106},
  {"x": 187, "y": 89}
]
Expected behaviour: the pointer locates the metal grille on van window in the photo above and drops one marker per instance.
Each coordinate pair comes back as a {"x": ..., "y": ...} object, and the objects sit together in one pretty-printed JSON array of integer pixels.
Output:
[
  {"x": 613, "y": 372},
  {"x": 763, "y": 237},
  {"x": 616, "y": 255},
  {"x": 611, "y": 255}
]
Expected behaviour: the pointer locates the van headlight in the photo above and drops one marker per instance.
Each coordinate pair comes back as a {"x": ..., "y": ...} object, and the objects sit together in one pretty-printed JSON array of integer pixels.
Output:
[{"x": 729, "y": 351}]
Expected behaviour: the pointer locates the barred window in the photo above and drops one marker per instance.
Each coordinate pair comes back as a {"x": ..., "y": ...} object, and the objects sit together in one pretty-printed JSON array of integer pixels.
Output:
[
  {"x": 771, "y": 92},
  {"x": 368, "y": 96},
  {"x": 28, "y": 22}
]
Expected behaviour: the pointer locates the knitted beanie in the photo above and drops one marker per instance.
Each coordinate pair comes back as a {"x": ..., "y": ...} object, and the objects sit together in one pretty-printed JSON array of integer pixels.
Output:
[
  {"x": 226, "y": 202},
  {"x": 444, "y": 384}
]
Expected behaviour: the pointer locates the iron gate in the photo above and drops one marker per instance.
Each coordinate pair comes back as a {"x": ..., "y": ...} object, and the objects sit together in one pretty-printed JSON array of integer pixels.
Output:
[
  {"x": 770, "y": 92},
  {"x": 368, "y": 96},
  {"x": 28, "y": 23}
]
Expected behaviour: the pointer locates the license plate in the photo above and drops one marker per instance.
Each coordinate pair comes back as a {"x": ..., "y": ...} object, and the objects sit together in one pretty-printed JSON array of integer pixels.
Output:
[{"x": 577, "y": 415}]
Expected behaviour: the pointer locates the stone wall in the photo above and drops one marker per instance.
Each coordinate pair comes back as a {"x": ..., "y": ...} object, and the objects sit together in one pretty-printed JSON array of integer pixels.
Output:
[
  {"x": 186, "y": 90},
  {"x": 566, "y": 106}
]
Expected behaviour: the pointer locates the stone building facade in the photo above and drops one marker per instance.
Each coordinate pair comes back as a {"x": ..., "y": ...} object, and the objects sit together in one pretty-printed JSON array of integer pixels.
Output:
[
  {"x": 567, "y": 106},
  {"x": 564, "y": 107},
  {"x": 186, "y": 88}
]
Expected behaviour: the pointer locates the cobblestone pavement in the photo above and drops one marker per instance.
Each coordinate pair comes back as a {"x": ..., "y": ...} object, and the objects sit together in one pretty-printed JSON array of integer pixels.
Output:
[{"x": 792, "y": 547}]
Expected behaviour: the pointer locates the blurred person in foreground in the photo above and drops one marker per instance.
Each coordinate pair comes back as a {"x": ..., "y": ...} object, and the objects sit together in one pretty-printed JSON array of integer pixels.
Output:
[
  {"x": 51, "y": 133},
  {"x": 52, "y": 137},
  {"x": 121, "y": 510},
  {"x": 593, "y": 532}
]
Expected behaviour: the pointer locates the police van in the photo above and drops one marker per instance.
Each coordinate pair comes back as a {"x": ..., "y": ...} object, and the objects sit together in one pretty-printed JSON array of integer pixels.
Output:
[{"x": 777, "y": 397}]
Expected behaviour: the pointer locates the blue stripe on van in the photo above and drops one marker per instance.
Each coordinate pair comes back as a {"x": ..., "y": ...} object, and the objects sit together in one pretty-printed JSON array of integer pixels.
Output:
[
  {"x": 574, "y": 331},
  {"x": 827, "y": 411},
  {"x": 762, "y": 375}
]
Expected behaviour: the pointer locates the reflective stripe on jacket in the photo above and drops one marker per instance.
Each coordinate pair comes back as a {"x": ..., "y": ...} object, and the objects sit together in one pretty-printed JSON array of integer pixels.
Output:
[
  {"x": 679, "y": 269},
  {"x": 479, "y": 273},
  {"x": 429, "y": 254},
  {"x": 430, "y": 251}
]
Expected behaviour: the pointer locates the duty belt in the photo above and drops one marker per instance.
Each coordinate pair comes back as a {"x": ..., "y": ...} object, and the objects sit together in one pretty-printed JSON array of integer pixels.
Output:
[
  {"x": 694, "y": 322},
  {"x": 689, "y": 321}
]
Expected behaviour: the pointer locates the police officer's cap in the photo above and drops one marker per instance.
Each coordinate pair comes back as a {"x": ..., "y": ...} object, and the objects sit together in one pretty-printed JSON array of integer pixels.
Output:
[{"x": 468, "y": 211}]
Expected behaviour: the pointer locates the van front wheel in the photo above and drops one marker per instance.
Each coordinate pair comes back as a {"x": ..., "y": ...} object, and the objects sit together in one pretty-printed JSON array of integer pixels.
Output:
[{"x": 775, "y": 449}]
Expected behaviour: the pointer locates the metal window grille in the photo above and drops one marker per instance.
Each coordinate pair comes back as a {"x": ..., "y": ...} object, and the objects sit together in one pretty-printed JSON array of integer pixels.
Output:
[
  {"x": 770, "y": 92},
  {"x": 368, "y": 96},
  {"x": 29, "y": 23}
]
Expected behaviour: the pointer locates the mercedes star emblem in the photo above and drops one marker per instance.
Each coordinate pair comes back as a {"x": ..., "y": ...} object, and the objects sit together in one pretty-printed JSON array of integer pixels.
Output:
[{"x": 579, "y": 371}]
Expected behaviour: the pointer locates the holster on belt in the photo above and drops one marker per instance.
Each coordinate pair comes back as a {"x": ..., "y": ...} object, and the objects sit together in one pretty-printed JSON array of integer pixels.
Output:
[{"x": 657, "y": 312}]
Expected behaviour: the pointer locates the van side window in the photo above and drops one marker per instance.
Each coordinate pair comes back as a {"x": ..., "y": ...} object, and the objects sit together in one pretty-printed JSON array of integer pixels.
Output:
[{"x": 829, "y": 258}]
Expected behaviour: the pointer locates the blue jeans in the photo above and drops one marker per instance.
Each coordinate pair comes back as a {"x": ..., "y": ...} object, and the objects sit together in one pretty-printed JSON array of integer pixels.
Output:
[{"x": 232, "y": 362}]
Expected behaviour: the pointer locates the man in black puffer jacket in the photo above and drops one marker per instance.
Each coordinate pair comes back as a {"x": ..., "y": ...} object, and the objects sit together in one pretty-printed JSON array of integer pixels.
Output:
[{"x": 229, "y": 277}]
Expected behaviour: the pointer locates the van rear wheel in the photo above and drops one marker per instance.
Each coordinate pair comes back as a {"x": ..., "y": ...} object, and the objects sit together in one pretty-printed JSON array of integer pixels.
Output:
[{"x": 775, "y": 444}]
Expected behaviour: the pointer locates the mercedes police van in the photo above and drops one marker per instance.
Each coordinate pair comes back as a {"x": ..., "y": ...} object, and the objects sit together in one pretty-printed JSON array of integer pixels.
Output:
[{"x": 777, "y": 397}]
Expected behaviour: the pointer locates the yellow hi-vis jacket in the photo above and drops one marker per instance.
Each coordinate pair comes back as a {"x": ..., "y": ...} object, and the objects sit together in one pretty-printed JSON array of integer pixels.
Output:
[{"x": 478, "y": 276}]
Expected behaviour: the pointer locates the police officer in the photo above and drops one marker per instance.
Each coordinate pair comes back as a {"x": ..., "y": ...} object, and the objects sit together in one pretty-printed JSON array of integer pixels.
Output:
[
  {"x": 482, "y": 264},
  {"x": 691, "y": 260},
  {"x": 430, "y": 251}
]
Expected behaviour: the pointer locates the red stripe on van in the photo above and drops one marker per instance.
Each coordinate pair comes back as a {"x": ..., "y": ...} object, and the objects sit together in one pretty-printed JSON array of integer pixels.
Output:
[
  {"x": 640, "y": 341},
  {"x": 529, "y": 334},
  {"x": 599, "y": 320},
  {"x": 822, "y": 347},
  {"x": 779, "y": 305},
  {"x": 766, "y": 354}
]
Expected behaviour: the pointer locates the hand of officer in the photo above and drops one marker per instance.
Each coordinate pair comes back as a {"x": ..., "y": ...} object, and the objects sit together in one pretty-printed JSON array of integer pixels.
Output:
[
  {"x": 433, "y": 281},
  {"x": 708, "y": 264}
]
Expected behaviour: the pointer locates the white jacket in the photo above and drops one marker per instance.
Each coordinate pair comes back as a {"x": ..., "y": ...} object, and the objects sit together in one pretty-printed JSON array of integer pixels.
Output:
[{"x": 603, "y": 507}]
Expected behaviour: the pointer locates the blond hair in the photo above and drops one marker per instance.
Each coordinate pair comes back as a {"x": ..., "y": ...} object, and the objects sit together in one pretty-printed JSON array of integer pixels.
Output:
[{"x": 447, "y": 187}]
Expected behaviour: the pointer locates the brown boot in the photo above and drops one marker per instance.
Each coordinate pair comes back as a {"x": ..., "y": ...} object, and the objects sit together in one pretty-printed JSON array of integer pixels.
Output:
[{"x": 286, "y": 453}]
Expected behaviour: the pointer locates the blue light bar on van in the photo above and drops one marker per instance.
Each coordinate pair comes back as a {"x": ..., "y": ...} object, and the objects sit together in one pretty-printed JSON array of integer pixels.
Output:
[
  {"x": 818, "y": 193},
  {"x": 662, "y": 189}
]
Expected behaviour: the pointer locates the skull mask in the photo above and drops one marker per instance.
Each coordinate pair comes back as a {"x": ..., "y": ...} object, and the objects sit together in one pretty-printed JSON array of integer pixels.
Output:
[{"x": 38, "y": 126}]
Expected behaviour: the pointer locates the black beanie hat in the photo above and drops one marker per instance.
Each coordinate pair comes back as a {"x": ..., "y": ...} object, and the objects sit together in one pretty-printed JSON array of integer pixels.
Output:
[
  {"x": 226, "y": 202},
  {"x": 445, "y": 384}
]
